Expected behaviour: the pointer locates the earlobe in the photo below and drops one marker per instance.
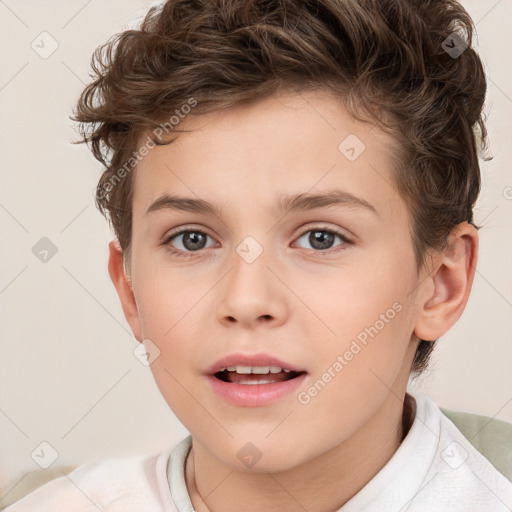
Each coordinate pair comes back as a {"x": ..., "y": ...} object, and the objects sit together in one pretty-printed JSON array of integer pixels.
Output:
[
  {"x": 444, "y": 292},
  {"x": 123, "y": 286}
]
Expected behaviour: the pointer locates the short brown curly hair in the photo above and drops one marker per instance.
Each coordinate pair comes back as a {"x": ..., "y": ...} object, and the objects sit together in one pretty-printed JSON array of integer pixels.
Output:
[{"x": 387, "y": 60}]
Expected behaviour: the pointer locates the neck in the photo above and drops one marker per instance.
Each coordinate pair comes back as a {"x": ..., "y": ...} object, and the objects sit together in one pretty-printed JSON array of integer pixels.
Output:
[{"x": 323, "y": 484}]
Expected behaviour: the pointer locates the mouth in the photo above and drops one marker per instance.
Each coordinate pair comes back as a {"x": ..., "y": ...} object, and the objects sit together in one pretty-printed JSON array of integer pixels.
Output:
[
  {"x": 254, "y": 380},
  {"x": 251, "y": 375}
]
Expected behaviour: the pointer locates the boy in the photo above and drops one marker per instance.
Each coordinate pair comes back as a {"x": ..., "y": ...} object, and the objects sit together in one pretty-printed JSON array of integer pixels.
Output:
[{"x": 291, "y": 184}]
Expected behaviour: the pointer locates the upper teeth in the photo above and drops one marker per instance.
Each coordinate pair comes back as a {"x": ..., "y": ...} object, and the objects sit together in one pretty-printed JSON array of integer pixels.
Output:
[{"x": 261, "y": 370}]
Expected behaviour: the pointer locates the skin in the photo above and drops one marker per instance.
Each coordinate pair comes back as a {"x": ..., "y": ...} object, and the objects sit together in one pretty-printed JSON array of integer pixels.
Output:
[{"x": 296, "y": 302}]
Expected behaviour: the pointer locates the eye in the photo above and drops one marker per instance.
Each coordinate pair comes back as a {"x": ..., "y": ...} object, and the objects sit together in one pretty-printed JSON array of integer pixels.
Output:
[
  {"x": 187, "y": 241},
  {"x": 322, "y": 239}
]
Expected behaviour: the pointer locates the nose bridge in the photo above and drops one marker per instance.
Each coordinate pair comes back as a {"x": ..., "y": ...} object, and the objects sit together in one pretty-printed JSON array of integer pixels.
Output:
[
  {"x": 249, "y": 278},
  {"x": 251, "y": 291}
]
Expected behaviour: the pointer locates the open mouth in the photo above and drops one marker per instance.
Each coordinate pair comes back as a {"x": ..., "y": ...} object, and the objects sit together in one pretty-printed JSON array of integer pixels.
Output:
[
  {"x": 254, "y": 380},
  {"x": 256, "y": 374}
]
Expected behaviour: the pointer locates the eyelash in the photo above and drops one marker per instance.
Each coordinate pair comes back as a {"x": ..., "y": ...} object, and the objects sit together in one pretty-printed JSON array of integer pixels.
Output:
[{"x": 182, "y": 254}]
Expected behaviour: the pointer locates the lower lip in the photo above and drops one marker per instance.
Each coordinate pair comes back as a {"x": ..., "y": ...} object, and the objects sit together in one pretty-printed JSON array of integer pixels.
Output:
[{"x": 255, "y": 395}]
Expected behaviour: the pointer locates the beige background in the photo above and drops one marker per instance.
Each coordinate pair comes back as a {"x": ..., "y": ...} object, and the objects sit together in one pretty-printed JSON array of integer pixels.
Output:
[{"x": 69, "y": 376}]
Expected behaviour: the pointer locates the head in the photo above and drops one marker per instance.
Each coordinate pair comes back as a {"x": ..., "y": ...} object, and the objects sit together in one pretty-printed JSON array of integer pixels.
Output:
[{"x": 244, "y": 105}]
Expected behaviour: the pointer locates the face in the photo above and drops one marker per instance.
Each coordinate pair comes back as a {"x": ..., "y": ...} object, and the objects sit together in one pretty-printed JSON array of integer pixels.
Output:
[{"x": 265, "y": 280}]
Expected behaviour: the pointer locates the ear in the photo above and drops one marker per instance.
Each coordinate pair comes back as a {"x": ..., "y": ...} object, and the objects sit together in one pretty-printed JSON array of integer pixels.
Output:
[
  {"x": 123, "y": 286},
  {"x": 444, "y": 291}
]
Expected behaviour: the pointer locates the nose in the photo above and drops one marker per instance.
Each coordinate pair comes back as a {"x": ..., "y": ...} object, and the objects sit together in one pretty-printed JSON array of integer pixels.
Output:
[{"x": 252, "y": 295}]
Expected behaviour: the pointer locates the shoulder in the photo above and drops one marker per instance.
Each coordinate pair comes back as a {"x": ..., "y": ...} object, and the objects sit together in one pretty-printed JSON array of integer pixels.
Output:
[
  {"x": 460, "y": 477},
  {"x": 490, "y": 436},
  {"x": 113, "y": 484}
]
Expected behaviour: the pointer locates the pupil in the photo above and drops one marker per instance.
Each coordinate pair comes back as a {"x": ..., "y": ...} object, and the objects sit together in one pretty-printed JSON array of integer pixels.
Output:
[
  {"x": 193, "y": 240},
  {"x": 321, "y": 239}
]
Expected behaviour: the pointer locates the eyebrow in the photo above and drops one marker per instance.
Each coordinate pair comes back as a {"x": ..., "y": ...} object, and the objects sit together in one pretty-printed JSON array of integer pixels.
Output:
[{"x": 284, "y": 204}]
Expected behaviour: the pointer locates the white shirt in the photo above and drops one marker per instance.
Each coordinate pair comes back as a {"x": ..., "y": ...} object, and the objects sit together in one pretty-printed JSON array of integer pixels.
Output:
[{"x": 434, "y": 469}]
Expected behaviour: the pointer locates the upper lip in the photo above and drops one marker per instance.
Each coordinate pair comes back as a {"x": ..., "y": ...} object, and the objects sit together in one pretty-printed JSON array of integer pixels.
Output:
[{"x": 249, "y": 360}]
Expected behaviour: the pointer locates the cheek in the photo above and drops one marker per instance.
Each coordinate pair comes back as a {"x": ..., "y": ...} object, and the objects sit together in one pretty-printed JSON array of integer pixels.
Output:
[
  {"x": 357, "y": 373},
  {"x": 359, "y": 298},
  {"x": 168, "y": 312},
  {"x": 370, "y": 312},
  {"x": 166, "y": 296}
]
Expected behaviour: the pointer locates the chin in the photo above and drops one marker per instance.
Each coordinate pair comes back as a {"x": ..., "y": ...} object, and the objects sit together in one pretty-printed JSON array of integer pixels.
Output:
[{"x": 261, "y": 455}]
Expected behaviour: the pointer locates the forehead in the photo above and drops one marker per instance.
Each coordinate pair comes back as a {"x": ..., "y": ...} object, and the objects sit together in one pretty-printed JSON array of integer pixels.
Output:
[{"x": 287, "y": 143}]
